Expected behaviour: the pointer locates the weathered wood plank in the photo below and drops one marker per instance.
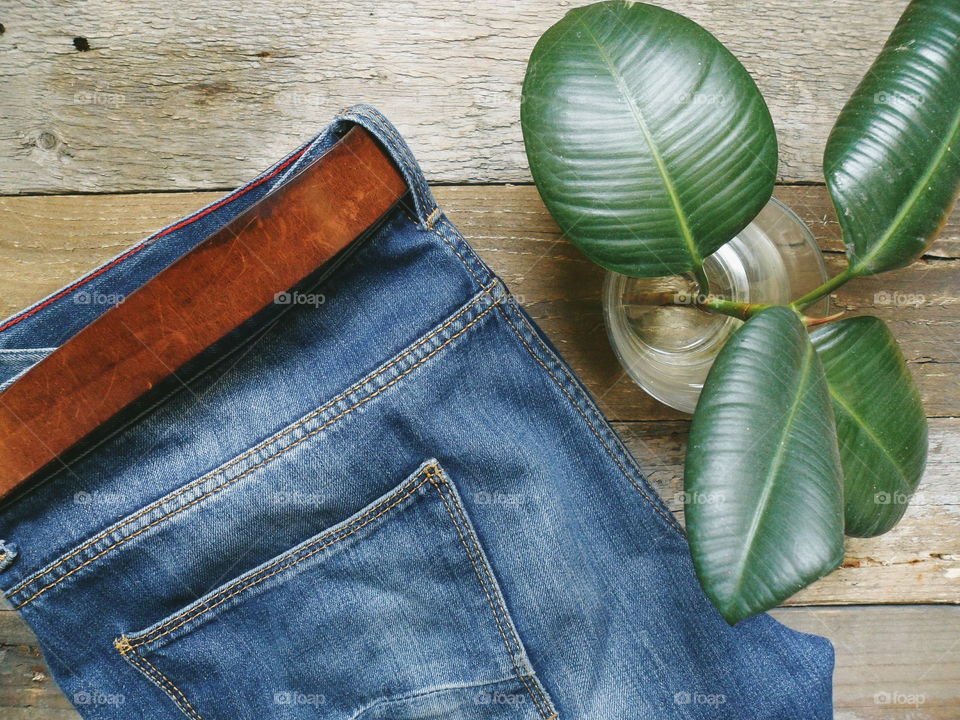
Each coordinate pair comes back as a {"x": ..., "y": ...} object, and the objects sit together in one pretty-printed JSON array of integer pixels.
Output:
[
  {"x": 201, "y": 93},
  {"x": 916, "y": 562},
  {"x": 47, "y": 241},
  {"x": 893, "y": 663}
]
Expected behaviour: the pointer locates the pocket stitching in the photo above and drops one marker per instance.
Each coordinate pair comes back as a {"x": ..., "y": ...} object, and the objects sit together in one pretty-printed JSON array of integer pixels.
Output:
[
  {"x": 257, "y": 448},
  {"x": 325, "y": 541},
  {"x": 430, "y": 473},
  {"x": 496, "y": 607},
  {"x": 264, "y": 462},
  {"x": 151, "y": 672}
]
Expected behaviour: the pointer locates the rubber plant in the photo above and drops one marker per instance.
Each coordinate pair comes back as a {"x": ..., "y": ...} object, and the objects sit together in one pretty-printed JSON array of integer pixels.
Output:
[{"x": 651, "y": 146}]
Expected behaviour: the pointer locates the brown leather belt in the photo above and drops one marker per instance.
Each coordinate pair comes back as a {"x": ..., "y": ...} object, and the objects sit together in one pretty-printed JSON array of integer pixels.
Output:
[{"x": 215, "y": 287}]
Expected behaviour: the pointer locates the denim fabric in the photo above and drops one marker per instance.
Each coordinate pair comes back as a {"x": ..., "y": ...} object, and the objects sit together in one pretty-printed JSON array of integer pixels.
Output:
[{"x": 392, "y": 502}]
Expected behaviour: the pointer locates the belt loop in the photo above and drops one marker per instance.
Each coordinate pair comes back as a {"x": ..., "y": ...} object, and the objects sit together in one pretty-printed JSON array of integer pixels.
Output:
[{"x": 374, "y": 121}]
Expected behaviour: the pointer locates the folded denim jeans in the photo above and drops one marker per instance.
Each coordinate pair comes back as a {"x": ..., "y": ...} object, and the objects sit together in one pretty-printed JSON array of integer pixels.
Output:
[{"x": 394, "y": 501}]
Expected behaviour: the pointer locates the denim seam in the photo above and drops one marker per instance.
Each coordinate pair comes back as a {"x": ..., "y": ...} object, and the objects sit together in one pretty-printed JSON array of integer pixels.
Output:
[
  {"x": 455, "y": 251},
  {"x": 401, "y": 147},
  {"x": 665, "y": 516},
  {"x": 445, "y": 229},
  {"x": 418, "y": 695},
  {"x": 436, "y": 477},
  {"x": 256, "y": 448},
  {"x": 497, "y": 607},
  {"x": 150, "y": 671},
  {"x": 294, "y": 557},
  {"x": 253, "y": 468}
]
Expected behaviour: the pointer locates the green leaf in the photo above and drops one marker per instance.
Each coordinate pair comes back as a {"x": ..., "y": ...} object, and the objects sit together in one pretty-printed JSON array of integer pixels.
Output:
[
  {"x": 649, "y": 142},
  {"x": 881, "y": 426},
  {"x": 764, "y": 495},
  {"x": 892, "y": 162}
]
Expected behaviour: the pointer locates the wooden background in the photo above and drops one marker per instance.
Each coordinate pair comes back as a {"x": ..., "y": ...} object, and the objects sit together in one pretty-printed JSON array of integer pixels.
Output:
[{"x": 119, "y": 117}]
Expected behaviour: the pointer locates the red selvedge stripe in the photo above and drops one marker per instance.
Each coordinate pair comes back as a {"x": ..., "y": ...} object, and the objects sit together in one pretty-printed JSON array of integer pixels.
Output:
[{"x": 137, "y": 248}]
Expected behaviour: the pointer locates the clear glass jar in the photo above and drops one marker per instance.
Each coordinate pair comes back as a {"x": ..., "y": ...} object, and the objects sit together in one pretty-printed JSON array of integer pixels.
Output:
[{"x": 668, "y": 350}]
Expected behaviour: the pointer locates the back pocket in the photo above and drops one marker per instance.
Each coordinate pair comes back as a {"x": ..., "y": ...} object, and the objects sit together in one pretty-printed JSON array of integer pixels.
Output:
[{"x": 393, "y": 614}]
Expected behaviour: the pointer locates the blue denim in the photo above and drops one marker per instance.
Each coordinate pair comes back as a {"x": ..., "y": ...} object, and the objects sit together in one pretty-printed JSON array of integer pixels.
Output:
[{"x": 394, "y": 501}]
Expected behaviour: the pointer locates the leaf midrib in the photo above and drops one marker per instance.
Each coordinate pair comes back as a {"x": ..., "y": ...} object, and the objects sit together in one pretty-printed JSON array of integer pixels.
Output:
[
  {"x": 870, "y": 434},
  {"x": 658, "y": 160},
  {"x": 919, "y": 188},
  {"x": 773, "y": 470}
]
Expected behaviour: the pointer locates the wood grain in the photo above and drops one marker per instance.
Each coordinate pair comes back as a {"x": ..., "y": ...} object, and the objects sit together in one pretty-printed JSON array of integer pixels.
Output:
[
  {"x": 916, "y": 562},
  {"x": 163, "y": 88},
  {"x": 46, "y": 241},
  {"x": 893, "y": 663}
]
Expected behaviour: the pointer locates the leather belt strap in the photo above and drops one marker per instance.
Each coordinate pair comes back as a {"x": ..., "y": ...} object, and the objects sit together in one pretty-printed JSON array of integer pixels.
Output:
[{"x": 215, "y": 287}]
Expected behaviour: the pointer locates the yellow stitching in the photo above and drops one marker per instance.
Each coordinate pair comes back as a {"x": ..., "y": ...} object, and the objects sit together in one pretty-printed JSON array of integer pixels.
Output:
[
  {"x": 670, "y": 520},
  {"x": 199, "y": 610},
  {"x": 493, "y": 605},
  {"x": 249, "y": 470},
  {"x": 169, "y": 682},
  {"x": 432, "y": 218},
  {"x": 283, "y": 450},
  {"x": 490, "y": 580},
  {"x": 483, "y": 585},
  {"x": 456, "y": 252},
  {"x": 164, "y": 683},
  {"x": 122, "y": 644},
  {"x": 501, "y": 603},
  {"x": 266, "y": 443}
]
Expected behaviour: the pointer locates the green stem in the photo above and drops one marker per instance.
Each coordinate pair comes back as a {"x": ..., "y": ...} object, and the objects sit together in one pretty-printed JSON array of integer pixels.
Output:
[
  {"x": 725, "y": 307},
  {"x": 801, "y": 304},
  {"x": 702, "y": 281},
  {"x": 741, "y": 310}
]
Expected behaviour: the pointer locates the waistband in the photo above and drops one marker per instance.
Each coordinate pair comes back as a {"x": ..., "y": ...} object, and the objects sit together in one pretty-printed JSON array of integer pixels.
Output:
[
  {"x": 415, "y": 266},
  {"x": 28, "y": 335}
]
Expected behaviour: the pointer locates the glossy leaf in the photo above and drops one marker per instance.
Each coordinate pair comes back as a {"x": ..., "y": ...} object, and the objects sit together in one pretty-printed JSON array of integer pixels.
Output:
[
  {"x": 892, "y": 162},
  {"x": 881, "y": 425},
  {"x": 649, "y": 142},
  {"x": 764, "y": 496}
]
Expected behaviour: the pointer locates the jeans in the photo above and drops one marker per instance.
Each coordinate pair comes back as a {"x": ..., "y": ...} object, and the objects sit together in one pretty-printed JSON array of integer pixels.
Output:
[{"x": 393, "y": 501}]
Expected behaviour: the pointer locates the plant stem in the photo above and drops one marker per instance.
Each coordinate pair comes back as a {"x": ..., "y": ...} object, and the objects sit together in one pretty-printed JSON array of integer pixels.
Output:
[
  {"x": 801, "y": 304},
  {"x": 741, "y": 310},
  {"x": 702, "y": 280}
]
